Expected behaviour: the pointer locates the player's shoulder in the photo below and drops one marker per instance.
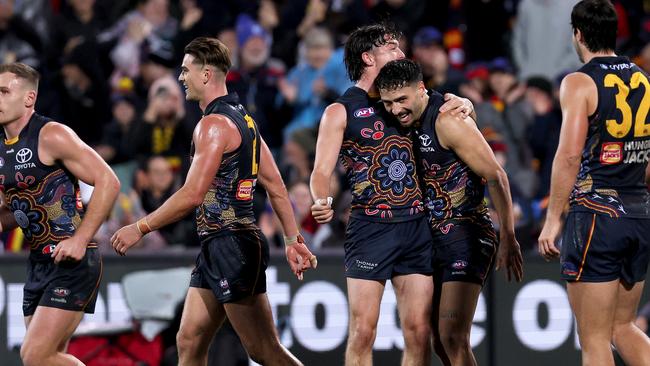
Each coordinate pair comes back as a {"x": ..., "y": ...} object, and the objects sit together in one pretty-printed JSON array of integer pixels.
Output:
[
  {"x": 578, "y": 78},
  {"x": 448, "y": 121},
  {"x": 335, "y": 115},
  {"x": 577, "y": 83},
  {"x": 216, "y": 122},
  {"x": 53, "y": 132}
]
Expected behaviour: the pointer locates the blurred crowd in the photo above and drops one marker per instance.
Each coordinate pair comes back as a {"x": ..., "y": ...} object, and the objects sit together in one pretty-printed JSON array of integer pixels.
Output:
[{"x": 109, "y": 70}]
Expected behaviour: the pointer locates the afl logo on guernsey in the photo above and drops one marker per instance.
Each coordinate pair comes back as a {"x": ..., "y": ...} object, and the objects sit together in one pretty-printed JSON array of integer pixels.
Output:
[
  {"x": 364, "y": 112},
  {"x": 611, "y": 153}
]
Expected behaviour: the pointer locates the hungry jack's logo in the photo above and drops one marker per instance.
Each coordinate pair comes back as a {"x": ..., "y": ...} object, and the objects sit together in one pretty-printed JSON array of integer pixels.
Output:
[{"x": 611, "y": 153}]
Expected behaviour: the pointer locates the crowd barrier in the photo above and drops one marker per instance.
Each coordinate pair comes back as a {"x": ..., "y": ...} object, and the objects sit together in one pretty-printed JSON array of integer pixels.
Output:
[{"x": 527, "y": 322}]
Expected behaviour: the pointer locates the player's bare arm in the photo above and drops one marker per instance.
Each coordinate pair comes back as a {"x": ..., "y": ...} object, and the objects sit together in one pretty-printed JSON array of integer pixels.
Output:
[
  {"x": 578, "y": 99},
  {"x": 298, "y": 255},
  {"x": 58, "y": 143},
  {"x": 463, "y": 137},
  {"x": 213, "y": 136},
  {"x": 7, "y": 219},
  {"x": 330, "y": 138}
]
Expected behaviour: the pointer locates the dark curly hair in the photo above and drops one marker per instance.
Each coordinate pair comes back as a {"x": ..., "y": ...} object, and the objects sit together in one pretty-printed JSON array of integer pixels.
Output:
[
  {"x": 598, "y": 23},
  {"x": 398, "y": 74},
  {"x": 362, "y": 40}
]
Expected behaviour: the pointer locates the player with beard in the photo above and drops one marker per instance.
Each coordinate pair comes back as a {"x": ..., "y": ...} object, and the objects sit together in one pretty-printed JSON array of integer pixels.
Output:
[
  {"x": 387, "y": 236},
  {"x": 453, "y": 160}
]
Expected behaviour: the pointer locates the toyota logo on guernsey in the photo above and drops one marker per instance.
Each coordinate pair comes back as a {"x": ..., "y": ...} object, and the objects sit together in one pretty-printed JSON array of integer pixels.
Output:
[
  {"x": 425, "y": 139},
  {"x": 23, "y": 157}
]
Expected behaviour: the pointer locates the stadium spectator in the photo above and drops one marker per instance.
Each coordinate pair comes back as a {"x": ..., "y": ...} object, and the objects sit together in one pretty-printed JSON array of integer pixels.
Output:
[
  {"x": 150, "y": 23},
  {"x": 542, "y": 42},
  {"x": 18, "y": 41},
  {"x": 82, "y": 93},
  {"x": 544, "y": 132},
  {"x": 126, "y": 211},
  {"x": 256, "y": 80},
  {"x": 429, "y": 53},
  {"x": 194, "y": 22},
  {"x": 644, "y": 58},
  {"x": 487, "y": 29},
  {"x": 308, "y": 88},
  {"x": 512, "y": 122},
  {"x": 116, "y": 144},
  {"x": 158, "y": 183},
  {"x": 78, "y": 22},
  {"x": 407, "y": 15},
  {"x": 162, "y": 130}
]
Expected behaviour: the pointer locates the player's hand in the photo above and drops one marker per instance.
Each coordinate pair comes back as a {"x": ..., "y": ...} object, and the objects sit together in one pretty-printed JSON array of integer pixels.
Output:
[
  {"x": 456, "y": 105},
  {"x": 509, "y": 256},
  {"x": 322, "y": 211},
  {"x": 299, "y": 257},
  {"x": 71, "y": 249},
  {"x": 125, "y": 238},
  {"x": 546, "y": 241}
]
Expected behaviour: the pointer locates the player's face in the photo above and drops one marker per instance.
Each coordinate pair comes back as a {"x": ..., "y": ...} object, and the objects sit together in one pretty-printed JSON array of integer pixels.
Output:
[
  {"x": 386, "y": 53},
  {"x": 406, "y": 103},
  {"x": 15, "y": 97},
  {"x": 190, "y": 76}
]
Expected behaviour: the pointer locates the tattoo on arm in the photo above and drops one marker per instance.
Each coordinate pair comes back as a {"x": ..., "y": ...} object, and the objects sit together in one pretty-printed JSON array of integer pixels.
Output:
[{"x": 492, "y": 183}]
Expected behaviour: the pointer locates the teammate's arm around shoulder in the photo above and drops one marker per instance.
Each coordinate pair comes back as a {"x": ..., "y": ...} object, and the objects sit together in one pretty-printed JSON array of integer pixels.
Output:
[
  {"x": 463, "y": 137},
  {"x": 58, "y": 143},
  {"x": 211, "y": 138},
  {"x": 578, "y": 98},
  {"x": 298, "y": 255},
  {"x": 328, "y": 145},
  {"x": 7, "y": 219}
]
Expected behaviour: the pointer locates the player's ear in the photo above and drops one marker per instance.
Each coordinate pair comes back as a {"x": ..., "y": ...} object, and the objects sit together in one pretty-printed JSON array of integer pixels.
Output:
[
  {"x": 207, "y": 74},
  {"x": 421, "y": 87},
  {"x": 368, "y": 59},
  {"x": 578, "y": 35},
  {"x": 30, "y": 98}
]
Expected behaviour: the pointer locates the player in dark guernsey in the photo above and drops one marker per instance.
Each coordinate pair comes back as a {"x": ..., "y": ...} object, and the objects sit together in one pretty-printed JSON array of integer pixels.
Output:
[
  {"x": 601, "y": 170},
  {"x": 387, "y": 236},
  {"x": 228, "y": 158},
  {"x": 452, "y": 160},
  {"x": 41, "y": 162}
]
